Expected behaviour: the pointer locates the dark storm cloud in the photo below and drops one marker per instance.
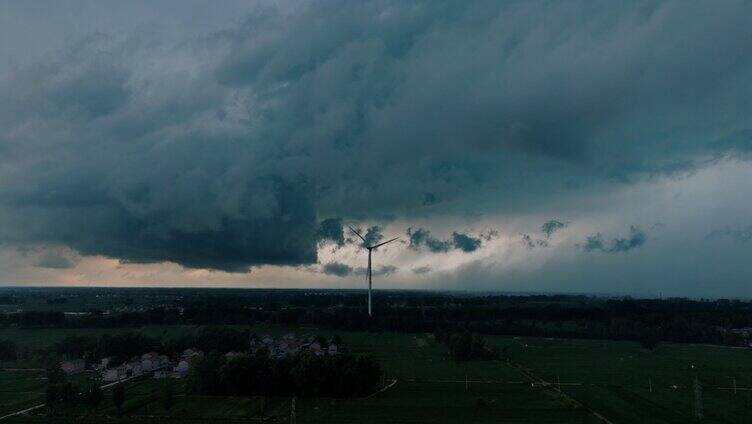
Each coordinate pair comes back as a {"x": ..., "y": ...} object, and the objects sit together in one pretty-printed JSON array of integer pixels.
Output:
[
  {"x": 618, "y": 244},
  {"x": 420, "y": 238},
  {"x": 225, "y": 150},
  {"x": 337, "y": 268},
  {"x": 331, "y": 230},
  {"x": 737, "y": 143}
]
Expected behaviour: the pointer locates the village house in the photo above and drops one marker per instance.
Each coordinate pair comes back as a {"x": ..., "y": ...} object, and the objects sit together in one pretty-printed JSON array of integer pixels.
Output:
[
  {"x": 290, "y": 345},
  {"x": 114, "y": 374},
  {"x": 191, "y": 353},
  {"x": 105, "y": 362},
  {"x": 182, "y": 369},
  {"x": 133, "y": 368},
  {"x": 150, "y": 361},
  {"x": 73, "y": 366}
]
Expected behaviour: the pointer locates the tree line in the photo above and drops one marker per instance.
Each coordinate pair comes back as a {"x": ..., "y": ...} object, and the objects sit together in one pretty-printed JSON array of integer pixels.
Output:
[
  {"x": 303, "y": 374},
  {"x": 466, "y": 346},
  {"x": 675, "y": 320}
]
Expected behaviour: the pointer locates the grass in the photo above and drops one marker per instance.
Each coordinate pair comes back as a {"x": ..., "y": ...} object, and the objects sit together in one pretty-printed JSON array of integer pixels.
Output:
[
  {"x": 609, "y": 377},
  {"x": 20, "y": 390},
  {"x": 615, "y": 377}
]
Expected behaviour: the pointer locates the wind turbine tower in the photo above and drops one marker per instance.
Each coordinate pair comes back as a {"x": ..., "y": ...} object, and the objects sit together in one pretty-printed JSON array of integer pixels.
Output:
[{"x": 369, "y": 273}]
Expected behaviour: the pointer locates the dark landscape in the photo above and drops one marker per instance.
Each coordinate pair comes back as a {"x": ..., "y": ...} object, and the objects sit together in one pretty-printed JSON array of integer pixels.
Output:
[{"x": 424, "y": 357}]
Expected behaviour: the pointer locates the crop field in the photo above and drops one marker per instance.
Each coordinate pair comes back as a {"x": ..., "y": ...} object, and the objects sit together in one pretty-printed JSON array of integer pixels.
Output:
[
  {"x": 20, "y": 389},
  {"x": 626, "y": 383},
  {"x": 613, "y": 379}
]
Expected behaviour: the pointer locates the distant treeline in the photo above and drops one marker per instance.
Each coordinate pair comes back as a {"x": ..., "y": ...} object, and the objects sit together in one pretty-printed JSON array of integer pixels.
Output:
[
  {"x": 466, "y": 346},
  {"x": 676, "y": 320}
]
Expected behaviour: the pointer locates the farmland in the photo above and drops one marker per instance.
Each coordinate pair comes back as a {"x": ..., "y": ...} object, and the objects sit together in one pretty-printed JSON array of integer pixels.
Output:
[{"x": 611, "y": 378}]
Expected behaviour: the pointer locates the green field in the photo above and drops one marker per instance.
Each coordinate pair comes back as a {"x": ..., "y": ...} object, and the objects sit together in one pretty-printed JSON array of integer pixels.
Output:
[{"x": 610, "y": 378}]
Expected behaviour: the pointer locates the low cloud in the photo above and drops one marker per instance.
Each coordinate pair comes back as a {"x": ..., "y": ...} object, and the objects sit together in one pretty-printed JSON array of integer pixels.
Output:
[
  {"x": 55, "y": 260},
  {"x": 532, "y": 243},
  {"x": 382, "y": 270},
  {"x": 597, "y": 242},
  {"x": 552, "y": 226},
  {"x": 465, "y": 242},
  {"x": 548, "y": 229},
  {"x": 421, "y": 238},
  {"x": 337, "y": 269},
  {"x": 422, "y": 270},
  {"x": 489, "y": 235}
]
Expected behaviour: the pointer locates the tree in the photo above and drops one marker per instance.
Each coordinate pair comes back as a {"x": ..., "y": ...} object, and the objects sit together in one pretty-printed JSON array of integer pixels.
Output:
[
  {"x": 461, "y": 346},
  {"x": 55, "y": 374},
  {"x": 167, "y": 397},
  {"x": 52, "y": 395},
  {"x": 7, "y": 350},
  {"x": 205, "y": 375},
  {"x": 648, "y": 340},
  {"x": 93, "y": 397},
  {"x": 118, "y": 396}
]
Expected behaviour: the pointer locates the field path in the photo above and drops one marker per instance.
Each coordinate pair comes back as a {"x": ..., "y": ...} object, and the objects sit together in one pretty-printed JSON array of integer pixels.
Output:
[
  {"x": 538, "y": 380},
  {"x": 23, "y": 411},
  {"x": 383, "y": 389},
  {"x": 33, "y": 408}
]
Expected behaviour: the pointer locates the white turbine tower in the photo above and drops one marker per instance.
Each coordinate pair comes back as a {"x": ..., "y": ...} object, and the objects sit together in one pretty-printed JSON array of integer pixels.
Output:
[{"x": 369, "y": 274}]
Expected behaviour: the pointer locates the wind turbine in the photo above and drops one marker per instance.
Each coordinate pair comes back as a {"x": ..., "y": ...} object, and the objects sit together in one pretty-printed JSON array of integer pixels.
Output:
[{"x": 369, "y": 274}]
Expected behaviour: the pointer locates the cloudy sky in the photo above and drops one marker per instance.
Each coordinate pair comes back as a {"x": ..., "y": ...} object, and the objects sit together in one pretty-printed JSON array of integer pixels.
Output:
[{"x": 536, "y": 146}]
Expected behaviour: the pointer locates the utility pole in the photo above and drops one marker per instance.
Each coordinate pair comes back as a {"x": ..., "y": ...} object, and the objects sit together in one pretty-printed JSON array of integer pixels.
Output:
[
  {"x": 292, "y": 411},
  {"x": 558, "y": 383},
  {"x": 650, "y": 384},
  {"x": 698, "y": 400}
]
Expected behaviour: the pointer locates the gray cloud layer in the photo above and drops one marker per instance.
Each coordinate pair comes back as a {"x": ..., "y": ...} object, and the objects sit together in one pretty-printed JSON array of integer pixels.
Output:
[{"x": 225, "y": 150}]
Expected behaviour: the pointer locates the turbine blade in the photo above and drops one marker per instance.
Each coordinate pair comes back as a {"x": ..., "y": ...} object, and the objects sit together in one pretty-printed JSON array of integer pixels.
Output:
[
  {"x": 356, "y": 233},
  {"x": 381, "y": 244}
]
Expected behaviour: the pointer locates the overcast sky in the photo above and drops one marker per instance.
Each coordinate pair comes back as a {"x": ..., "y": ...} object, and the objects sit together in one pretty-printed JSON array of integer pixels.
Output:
[{"x": 514, "y": 146}]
